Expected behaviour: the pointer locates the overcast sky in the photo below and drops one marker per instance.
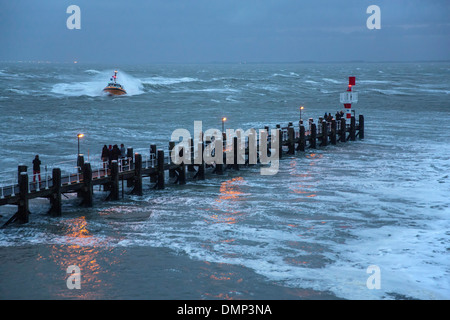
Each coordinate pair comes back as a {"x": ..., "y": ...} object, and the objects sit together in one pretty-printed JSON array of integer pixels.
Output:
[{"x": 147, "y": 31}]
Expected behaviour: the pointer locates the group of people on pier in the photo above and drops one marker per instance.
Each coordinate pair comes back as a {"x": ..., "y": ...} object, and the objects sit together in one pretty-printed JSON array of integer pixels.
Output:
[
  {"x": 108, "y": 154},
  {"x": 113, "y": 153},
  {"x": 328, "y": 117}
]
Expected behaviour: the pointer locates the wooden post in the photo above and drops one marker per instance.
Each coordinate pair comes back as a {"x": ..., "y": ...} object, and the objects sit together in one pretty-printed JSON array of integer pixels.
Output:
[
  {"x": 219, "y": 168},
  {"x": 182, "y": 174},
  {"x": 137, "y": 190},
  {"x": 87, "y": 189},
  {"x": 21, "y": 168},
  {"x": 201, "y": 168},
  {"x": 55, "y": 197},
  {"x": 361, "y": 126},
  {"x": 324, "y": 133},
  {"x": 301, "y": 139},
  {"x": 313, "y": 136},
  {"x": 252, "y": 151},
  {"x": 352, "y": 129},
  {"x": 172, "y": 173},
  {"x": 291, "y": 141},
  {"x": 333, "y": 131},
  {"x": 130, "y": 156},
  {"x": 343, "y": 131},
  {"x": 160, "y": 167},
  {"x": 235, "y": 154},
  {"x": 130, "y": 160},
  {"x": 153, "y": 178},
  {"x": 181, "y": 169},
  {"x": 280, "y": 143},
  {"x": 190, "y": 166},
  {"x": 23, "y": 205}
]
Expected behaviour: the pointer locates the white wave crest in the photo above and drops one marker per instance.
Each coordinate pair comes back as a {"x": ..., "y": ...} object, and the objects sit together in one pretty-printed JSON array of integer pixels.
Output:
[
  {"x": 94, "y": 87},
  {"x": 165, "y": 81}
]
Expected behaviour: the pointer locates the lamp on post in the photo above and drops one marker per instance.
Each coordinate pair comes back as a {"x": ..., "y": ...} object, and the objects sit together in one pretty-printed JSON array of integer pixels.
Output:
[
  {"x": 301, "y": 108},
  {"x": 223, "y": 123},
  {"x": 80, "y": 135}
]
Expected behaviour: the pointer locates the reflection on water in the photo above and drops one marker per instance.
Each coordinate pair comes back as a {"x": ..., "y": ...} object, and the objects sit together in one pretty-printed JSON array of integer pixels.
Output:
[
  {"x": 228, "y": 204},
  {"x": 221, "y": 281},
  {"x": 308, "y": 183},
  {"x": 230, "y": 189},
  {"x": 81, "y": 248}
]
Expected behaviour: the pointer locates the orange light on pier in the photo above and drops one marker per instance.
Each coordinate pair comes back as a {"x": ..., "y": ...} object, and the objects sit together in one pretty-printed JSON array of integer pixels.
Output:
[
  {"x": 80, "y": 135},
  {"x": 223, "y": 123}
]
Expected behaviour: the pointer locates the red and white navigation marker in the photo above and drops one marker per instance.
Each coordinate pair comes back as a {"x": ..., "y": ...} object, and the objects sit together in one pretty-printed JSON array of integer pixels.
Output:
[{"x": 349, "y": 97}]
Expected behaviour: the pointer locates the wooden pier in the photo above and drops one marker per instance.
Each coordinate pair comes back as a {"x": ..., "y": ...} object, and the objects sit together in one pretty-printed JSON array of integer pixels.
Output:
[{"x": 133, "y": 168}]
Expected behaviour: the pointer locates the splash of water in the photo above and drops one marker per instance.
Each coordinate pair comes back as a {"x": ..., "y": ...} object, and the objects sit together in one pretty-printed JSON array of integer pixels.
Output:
[{"x": 97, "y": 81}]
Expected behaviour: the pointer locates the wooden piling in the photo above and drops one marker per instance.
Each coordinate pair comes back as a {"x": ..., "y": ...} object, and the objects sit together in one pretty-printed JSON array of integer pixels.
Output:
[
  {"x": 324, "y": 133},
  {"x": 201, "y": 168},
  {"x": 190, "y": 166},
  {"x": 361, "y": 127},
  {"x": 23, "y": 205},
  {"x": 137, "y": 190},
  {"x": 313, "y": 136},
  {"x": 352, "y": 129},
  {"x": 333, "y": 132},
  {"x": 87, "y": 191},
  {"x": 280, "y": 143},
  {"x": 130, "y": 155},
  {"x": 160, "y": 168},
  {"x": 291, "y": 141},
  {"x": 343, "y": 131},
  {"x": 301, "y": 139},
  {"x": 181, "y": 169},
  {"x": 21, "y": 168},
  {"x": 130, "y": 161},
  {"x": 252, "y": 150},
  {"x": 55, "y": 197},
  {"x": 235, "y": 153},
  {"x": 172, "y": 173},
  {"x": 219, "y": 169},
  {"x": 153, "y": 177}
]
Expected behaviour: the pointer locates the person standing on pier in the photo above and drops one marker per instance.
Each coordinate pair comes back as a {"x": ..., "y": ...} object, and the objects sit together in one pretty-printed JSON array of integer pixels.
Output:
[
  {"x": 36, "y": 168},
  {"x": 123, "y": 151},
  {"x": 109, "y": 154},
  {"x": 115, "y": 153},
  {"x": 105, "y": 155}
]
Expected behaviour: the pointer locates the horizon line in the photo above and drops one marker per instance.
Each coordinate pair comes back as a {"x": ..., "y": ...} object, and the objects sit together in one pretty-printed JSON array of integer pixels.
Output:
[{"x": 228, "y": 62}]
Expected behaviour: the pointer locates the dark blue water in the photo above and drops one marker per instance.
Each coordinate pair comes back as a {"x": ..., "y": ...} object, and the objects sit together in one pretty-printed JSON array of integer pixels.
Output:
[{"x": 310, "y": 232}]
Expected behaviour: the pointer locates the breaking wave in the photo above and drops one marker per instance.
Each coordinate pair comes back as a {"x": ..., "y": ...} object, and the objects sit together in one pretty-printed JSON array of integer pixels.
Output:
[{"x": 94, "y": 86}]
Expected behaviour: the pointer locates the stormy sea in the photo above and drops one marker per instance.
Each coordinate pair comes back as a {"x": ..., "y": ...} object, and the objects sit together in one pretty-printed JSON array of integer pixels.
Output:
[{"x": 328, "y": 223}]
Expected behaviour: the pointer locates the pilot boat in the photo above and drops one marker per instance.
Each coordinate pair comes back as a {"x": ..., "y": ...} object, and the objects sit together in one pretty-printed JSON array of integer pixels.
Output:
[{"x": 114, "y": 88}]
